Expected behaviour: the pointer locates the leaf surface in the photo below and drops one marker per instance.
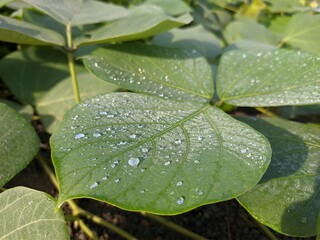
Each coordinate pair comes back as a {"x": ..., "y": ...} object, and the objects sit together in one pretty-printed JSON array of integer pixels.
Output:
[
  {"x": 12, "y": 30},
  {"x": 269, "y": 78},
  {"x": 53, "y": 105},
  {"x": 144, "y": 153},
  {"x": 29, "y": 214},
  {"x": 287, "y": 198},
  {"x": 303, "y": 31},
  {"x": 165, "y": 72},
  {"x": 31, "y": 72},
  {"x": 133, "y": 27},
  {"x": 78, "y": 12},
  {"x": 173, "y": 8},
  {"x": 191, "y": 38},
  {"x": 19, "y": 143}
]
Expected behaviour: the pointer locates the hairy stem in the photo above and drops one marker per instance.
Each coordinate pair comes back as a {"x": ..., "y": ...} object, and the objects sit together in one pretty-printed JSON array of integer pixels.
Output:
[
  {"x": 174, "y": 227},
  {"x": 71, "y": 64}
]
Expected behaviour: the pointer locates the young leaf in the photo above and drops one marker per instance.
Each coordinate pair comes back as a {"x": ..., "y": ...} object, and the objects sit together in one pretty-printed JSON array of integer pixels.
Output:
[
  {"x": 53, "y": 105},
  {"x": 78, "y": 12},
  {"x": 31, "y": 72},
  {"x": 12, "y": 30},
  {"x": 269, "y": 78},
  {"x": 133, "y": 27},
  {"x": 287, "y": 198},
  {"x": 30, "y": 214},
  {"x": 165, "y": 72},
  {"x": 19, "y": 143},
  {"x": 196, "y": 37},
  {"x": 144, "y": 153},
  {"x": 303, "y": 31}
]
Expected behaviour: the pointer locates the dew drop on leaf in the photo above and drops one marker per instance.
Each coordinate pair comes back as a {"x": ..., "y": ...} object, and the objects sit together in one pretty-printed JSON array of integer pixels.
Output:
[
  {"x": 180, "y": 200},
  {"x": 117, "y": 180},
  {"x": 144, "y": 150},
  {"x": 96, "y": 135},
  {"x": 79, "y": 136},
  {"x": 179, "y": 183},
  {"x": 167, "y": 163},
  {"x": 94, "y": 185},
  {"x": 134, "y": 162}
]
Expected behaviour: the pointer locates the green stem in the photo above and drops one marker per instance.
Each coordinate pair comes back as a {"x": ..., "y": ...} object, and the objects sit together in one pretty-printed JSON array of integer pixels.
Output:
[
  {"x": 266, "y": 112},
  {"x": 174, "y": 227},
  {"x": 267, "y": 231},
  {"x": 71, "y": 64}
]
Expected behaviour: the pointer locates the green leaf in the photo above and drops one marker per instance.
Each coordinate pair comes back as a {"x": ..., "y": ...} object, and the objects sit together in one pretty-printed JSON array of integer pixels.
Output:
[
  {"x": 4, "y": 2},
  {"x": 12, "y": 30},
  {"x": 284, "y": 5},
  {"x": 145, "y": 153},
  {"x": 53, "y": 105},
  {"x": 165, "y": 72},
  {"x": 196, "y": 37},
  {"x": 287, "y": 198},
  {"x": 173, "y": 8},
  {"x": 318, "y": 227},
  {"x": 19, "y": 143},
  {"x": 303, "y": 31},
  {"x": 29, "y": 214},
  {"x": 78, "y": 12},
  {"x": 269, "y": 78},
  {"x": 239, "y": 33},
  {"x": 31, "y": 72},
  {"x": 25, "y": 110},
  {"x": 133, "y": 27}
]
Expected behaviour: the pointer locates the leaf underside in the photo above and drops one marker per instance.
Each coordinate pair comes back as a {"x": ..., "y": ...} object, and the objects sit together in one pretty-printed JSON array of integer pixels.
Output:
[{"x": 144, "y": 153}]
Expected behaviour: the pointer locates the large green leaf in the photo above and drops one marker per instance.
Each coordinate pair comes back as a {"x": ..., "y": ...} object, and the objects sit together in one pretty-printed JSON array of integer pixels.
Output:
[
  {"x": 133, "y": 27},
  {"x": 284, "y": 5},
  {"x": 196, "y": 37},
  {"x": 29, "y": 214},
  {"x": 269, "y": 78},
  {"x": 4, "y": 2},
  {"x": 288, "y": 198},
  {"x": 78, "y": 12},
  {"x": 12, "y": 30},
  {"x": 19, "y": 143},
  {"x": 145, "y": 153},
  {"x": 53, "y": 105},
  {"x": 165, "y": 72},
  {"x": 303, "y": 31},
  {"x": 31, "y": 72}
]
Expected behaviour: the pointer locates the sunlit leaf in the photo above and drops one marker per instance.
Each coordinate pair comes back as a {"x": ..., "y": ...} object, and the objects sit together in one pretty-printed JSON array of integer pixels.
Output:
[
  {"x": 133, "y": 27},
  {"x": 4, "y": 2},
  {"x": 165, "y": 72},
  {"x": 144, "y": 153},
  {"x": 269, "y": 78},
  {"x": 53, "y": 105},
  {"x": 77, "y": 12},
  {"x": 29, "y": 214},
  {"x": 19, "y": 143},
  {"x": 287, "y": 198},
  {"x": 12, "y": 30},
  {"x": 191, "y": 38},
  {"x": 284, "y": 5},
  {"x": 303, "y": 31}
]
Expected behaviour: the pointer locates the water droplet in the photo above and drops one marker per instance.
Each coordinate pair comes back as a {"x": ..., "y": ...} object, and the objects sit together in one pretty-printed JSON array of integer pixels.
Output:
[
  {"x": 132, "y": 136},
  {"x": 180, "y": 200},
  {"x": 167, "y": 163},
  {"x": 110, "y": 116},
  {"x": 143, "y": 169},
  {"x": 177, "y": 141},
  {"x": 196, "y": 161},
  {"x": 243, "y": 150},
  {"x": 105, "y": 178},
  {"x": 79, "y": 136},
  {"x": 114, "y": 164},
  {"x": 142, "y": 191},
  {"x": 304, "y": 219},
  {"x": 117, "y": 180},
  {"x": 179, "y": 183},
  {"x": 94, "y": 185},
  {"x": 144, "y": 150},
  {"x": 134, "y": 162},
  {"x": 96, "y": 65},
  {"x": 96, "y": 135}
]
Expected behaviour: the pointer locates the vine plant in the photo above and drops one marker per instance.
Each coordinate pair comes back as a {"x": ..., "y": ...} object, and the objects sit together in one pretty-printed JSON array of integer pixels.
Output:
[{"x": 148, "y": 132}]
